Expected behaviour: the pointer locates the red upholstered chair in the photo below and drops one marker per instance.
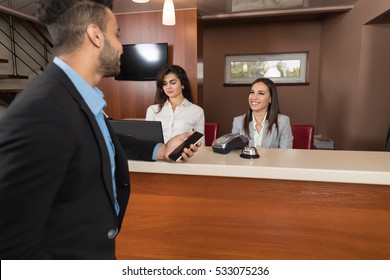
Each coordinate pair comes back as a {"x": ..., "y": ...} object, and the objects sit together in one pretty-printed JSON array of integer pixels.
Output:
[
  {"x": 303, "y": 136},
  {"x": 211, "y": 131}
]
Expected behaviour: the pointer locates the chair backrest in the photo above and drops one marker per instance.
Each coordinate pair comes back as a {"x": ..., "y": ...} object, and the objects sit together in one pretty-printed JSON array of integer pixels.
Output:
[
  {"x": 303, "y": 136},
  {"x": 211, "y": 131}
]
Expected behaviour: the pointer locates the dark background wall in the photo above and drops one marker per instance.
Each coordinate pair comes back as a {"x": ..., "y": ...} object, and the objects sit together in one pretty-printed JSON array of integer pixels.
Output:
[
  {"x": 347, "y": 97},
  {"x": 222, "y": 103},
  {"x": 353, "y": 94}
]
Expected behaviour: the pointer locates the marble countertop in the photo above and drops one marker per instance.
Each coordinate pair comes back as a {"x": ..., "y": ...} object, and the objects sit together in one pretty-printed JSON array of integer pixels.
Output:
[{"x": 284, "y": 164}]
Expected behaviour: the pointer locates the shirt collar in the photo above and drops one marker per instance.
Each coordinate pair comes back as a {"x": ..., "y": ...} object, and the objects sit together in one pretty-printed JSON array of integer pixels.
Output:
[
  {"x": 93, "y": 96},
  {"x": 184, "y": 103},
  {"x": 262, "y": 122}
]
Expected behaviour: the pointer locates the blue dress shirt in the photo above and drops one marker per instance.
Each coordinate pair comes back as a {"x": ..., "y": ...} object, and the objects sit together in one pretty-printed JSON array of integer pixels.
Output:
[{"x": 95, "y": 102}]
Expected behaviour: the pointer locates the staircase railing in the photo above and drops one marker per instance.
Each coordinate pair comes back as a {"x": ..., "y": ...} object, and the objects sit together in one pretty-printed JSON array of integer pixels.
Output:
[{"x": 24, "y": 45}]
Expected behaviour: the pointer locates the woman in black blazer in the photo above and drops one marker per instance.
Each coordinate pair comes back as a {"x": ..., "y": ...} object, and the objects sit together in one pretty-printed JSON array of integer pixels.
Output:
[{"x": 56, "y": 184}]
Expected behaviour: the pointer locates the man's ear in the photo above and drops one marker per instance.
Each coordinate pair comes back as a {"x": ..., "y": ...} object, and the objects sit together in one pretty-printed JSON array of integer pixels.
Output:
[{"x": 95, "y": 35}]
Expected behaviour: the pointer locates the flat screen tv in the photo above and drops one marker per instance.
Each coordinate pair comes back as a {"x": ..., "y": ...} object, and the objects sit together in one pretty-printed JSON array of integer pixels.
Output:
[{"x": 141, "y": 62}]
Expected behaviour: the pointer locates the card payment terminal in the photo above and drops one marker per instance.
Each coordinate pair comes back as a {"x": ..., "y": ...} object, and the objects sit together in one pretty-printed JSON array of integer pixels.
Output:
[{"x": 228, "y": 142}]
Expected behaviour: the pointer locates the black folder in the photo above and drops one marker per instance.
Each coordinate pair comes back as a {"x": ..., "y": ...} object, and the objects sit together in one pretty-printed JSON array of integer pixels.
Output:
[{"x": 140, "y": 129}]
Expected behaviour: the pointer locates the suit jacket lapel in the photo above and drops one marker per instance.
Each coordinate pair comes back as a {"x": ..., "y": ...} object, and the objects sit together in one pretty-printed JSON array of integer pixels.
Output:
[
  {"x": 106, "y": 165},
  {"x": 121, "y": 175}
]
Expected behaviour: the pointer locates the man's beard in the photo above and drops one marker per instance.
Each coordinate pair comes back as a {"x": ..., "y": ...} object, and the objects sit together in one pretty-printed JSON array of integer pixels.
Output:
[{"x": 109, "y": 63}]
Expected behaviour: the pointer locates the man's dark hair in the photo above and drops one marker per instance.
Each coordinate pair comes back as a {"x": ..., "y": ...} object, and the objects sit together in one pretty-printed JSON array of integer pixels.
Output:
[
  {"x": 49, "y": 10},
  {"x": 66, "y": 20},
  {"x": 107, "y": 3}
]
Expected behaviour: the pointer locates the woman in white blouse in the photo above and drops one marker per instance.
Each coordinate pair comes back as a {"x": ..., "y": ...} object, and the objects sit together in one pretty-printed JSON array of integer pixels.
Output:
[
  {"x": 265, "y": 126},
  {"x": 173, "y": 103}
]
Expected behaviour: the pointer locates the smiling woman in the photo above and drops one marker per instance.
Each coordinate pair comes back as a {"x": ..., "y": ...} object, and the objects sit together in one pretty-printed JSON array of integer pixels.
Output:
[{"x": 263, "y": 123}]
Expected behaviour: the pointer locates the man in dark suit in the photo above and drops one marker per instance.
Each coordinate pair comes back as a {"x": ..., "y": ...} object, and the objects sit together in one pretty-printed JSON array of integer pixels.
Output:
[{"x": 64, "y": 181}]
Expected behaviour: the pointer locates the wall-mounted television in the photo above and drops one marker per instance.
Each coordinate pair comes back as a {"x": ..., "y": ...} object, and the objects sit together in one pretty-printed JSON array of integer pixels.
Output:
[{"x": 141, "y": 62}]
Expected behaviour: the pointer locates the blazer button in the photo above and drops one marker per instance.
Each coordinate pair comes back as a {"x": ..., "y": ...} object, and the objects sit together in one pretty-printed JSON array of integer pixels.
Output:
[{"x": 111, "y": 234}]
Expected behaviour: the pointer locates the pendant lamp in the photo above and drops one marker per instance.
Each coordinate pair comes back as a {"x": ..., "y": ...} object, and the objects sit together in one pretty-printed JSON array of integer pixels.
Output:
[{"x": 168, "y": 13}]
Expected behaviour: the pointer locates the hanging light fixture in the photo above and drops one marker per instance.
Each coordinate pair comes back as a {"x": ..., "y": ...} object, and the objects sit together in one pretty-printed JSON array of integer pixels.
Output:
[
  {"x": 140, "y": 1},
  {"x": 168, "y": 13}
]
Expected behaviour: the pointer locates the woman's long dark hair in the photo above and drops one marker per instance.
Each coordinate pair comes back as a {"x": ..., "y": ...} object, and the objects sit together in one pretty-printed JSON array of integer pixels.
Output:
[
  {"x": 273, "y": 108},
  {"x": 160, "y": 97}
]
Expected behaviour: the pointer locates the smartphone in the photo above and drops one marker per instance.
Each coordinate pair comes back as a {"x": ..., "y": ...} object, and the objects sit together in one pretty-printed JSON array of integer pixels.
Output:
[{"x": 193, "y": 139}]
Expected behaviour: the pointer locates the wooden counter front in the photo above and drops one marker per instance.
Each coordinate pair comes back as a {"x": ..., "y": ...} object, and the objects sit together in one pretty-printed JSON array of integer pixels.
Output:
[{"x": 172, "y": 216}]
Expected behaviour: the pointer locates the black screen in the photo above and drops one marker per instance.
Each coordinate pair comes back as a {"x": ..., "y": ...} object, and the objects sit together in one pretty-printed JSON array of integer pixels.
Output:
[{"x": 141, "y": 62}]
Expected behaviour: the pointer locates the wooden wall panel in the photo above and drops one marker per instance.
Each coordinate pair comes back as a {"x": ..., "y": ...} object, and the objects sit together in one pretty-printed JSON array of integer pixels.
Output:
[
  {"x": 207, "y": 217},
  {"x": 130, "y": 99}
]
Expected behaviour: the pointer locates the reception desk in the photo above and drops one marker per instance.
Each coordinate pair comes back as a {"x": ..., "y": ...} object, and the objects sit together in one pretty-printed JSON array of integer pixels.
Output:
[{"x": 287, "y": 204}]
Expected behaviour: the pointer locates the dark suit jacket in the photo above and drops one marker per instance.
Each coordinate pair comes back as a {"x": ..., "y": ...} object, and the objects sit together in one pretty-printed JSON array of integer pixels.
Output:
[{"x": 56, "y": 194}]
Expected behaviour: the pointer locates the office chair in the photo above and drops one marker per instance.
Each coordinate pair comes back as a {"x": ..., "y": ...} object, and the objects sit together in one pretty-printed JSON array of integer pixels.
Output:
[
  {"x": 211, "y": 131},
  {"x": 303, "y": 136}
]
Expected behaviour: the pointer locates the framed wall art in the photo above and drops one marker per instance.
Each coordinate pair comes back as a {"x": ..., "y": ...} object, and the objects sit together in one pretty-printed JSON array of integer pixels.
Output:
[{"x": 282, "y": 68}]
